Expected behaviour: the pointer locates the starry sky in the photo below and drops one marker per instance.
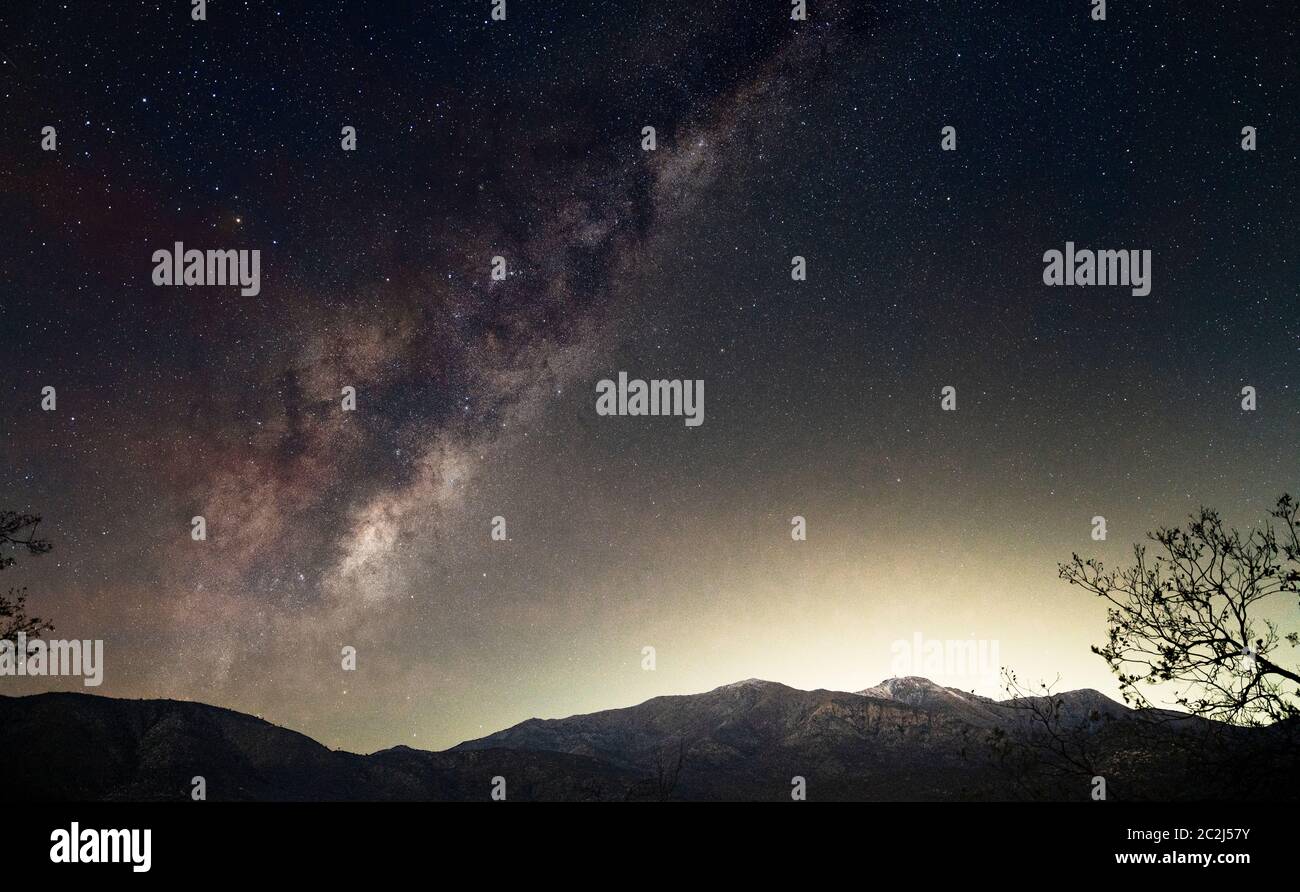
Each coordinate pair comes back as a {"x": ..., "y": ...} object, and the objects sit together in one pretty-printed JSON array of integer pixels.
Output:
[{"x": 475, "y": 398}]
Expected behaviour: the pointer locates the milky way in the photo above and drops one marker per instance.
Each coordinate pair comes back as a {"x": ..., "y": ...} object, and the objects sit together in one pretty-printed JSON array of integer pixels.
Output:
[{"x": 475, "y": 397}]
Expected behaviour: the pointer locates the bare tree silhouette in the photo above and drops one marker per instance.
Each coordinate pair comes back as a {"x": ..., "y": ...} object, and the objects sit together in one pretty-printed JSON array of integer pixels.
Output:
[
  {"x": 1054, "y": 751},
  {"x": 18, "y": 534},
  {"x": 667, "y": 772},
  {"x": 668, "y": 768},
  {"x": 1194, "y": 617}
]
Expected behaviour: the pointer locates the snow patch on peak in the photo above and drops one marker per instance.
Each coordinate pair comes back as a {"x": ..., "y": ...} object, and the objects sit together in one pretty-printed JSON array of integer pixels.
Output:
[
  {"x": 746, "y": 683},
  {"x": 911, "y": 689}
]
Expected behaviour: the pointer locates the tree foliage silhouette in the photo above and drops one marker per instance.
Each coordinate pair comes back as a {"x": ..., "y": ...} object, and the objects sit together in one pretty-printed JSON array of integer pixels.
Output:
[
  {"x": 17, "y": 535},
  {"x": 1213, "y": 615}
]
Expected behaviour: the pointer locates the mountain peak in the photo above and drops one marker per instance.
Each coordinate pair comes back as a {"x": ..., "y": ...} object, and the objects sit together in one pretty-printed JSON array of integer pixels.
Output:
[
  {"x": 902, "y": 686},
  {"x": 922, "y": 693},
  {"x": 746, "y": 683},
  {"x": 911, "y": 680}
]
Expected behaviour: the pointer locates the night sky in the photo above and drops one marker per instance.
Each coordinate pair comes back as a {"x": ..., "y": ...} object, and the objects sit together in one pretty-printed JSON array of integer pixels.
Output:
[{"x": 476, "y": 398}]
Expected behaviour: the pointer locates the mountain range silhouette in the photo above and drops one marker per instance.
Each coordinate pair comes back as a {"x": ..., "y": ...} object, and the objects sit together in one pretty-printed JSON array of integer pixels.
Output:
[{"x": 904, "y": 739}]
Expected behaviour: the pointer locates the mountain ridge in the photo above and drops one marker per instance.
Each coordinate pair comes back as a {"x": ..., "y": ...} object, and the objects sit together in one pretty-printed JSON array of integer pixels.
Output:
[{"x": 905, "y": 738}]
